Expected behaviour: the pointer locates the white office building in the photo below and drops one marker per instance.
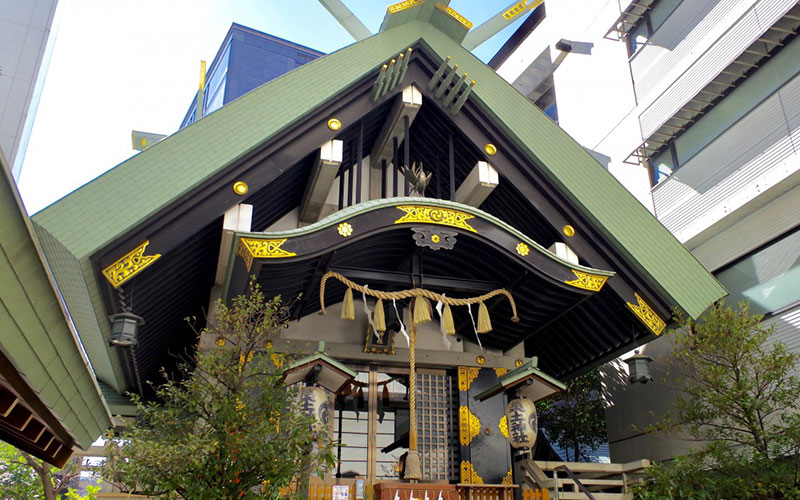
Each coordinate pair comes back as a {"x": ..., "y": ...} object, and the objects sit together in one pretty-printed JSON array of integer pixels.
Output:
[
  {"x": 693, "y": 105},
  {"x": 24, "y": 54}
]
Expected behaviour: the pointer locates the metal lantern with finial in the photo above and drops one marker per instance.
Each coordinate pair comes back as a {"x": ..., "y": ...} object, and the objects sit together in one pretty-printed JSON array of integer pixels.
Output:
[
  {"x": 639, "y": 368},
  {"x": 125, "y": 328},
  {"x": 523, "y": 424}
]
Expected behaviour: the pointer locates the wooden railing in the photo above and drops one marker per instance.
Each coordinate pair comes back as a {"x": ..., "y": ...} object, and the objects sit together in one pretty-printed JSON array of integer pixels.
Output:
[
  {"x": 603, "y": 481},
  {"x": 486, "y": 491},
  {"x": 537, "y": 494}
]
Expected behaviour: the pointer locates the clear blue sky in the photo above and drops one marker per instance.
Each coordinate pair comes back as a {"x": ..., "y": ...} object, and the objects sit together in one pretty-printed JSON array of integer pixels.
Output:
[{"x": 119, "y": 65}]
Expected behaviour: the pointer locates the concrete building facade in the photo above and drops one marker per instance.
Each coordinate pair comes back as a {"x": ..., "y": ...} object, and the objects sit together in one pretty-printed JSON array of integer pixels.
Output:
[
  {"x": 24, "y": 34},
  {"x": 695, "y": 107}
]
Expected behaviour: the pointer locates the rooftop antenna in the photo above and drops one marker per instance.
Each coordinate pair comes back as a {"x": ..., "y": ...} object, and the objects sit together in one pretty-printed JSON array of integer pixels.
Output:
[{"x": 347, "y": 19}]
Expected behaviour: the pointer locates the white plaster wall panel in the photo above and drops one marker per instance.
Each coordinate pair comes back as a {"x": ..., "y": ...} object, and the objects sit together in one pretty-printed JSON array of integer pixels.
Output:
[
  {"x": 727, "y": 47},
  {"x": 12, "y": 39},
  {"x": 15, "y": 108},
  {"x": 24, "y": 31},
  {"x": 684, "y": 36},
  {"x": 767, "y": 217},
  {"x": 787, "y": 329},
  {"x": 596, "y": 103},
  {"x": 589, "y": 106},
  {"x": 753, "y": 155}
]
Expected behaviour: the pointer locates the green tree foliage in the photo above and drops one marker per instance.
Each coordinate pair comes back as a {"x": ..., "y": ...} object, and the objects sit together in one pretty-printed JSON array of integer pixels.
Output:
[
  {"x": 575, "y": 418},
  {"x": 229, "y": 429},
  {"x": 738, "y": 396},
  {"x": 23, "y": 477}
]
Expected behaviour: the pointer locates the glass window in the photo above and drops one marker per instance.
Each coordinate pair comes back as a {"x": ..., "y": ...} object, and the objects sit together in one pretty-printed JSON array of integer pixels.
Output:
[
  {"x": 215, "y": 88},
  {"x": 662, "y": 166},
  {"x": 768, "y": 277},
  {"x": 215, "y": 101}
]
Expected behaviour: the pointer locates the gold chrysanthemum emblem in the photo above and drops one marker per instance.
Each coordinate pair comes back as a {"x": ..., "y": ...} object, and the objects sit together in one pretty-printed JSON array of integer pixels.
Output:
[
  {"x": 523, "y": 249},
  {"x": 345, "y": 229}
]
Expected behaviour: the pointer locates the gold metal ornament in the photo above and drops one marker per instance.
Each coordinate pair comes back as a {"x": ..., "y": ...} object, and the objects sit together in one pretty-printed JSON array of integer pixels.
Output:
[
  {"x": 469, "y": 426},
  {"x": 345, "y": 229},
  {"x": 468, "y": 474},
  {"x": 503, "y": 426},
  {"x": 509, "y": 478},
  {"x": 466, "y": 374},
  {"x": 435, "y": 238},
  {"x": 406, "y": 4},
  {"x": 500, "y": 371},
  {"x": 518, "y": 363},
  {"x": 568, "y": 231},
  {"x": 241, "y": 188},
  {"x": 490, "y": 149},
  {"x": 334, "y": 124},
  {"x": 129, "y": 265},
  {"x": 266, "y": 249},
  {"x": 587, "y": 281},
  {"x": 435, "y": 215},
  {"x": 481, "y": 360},
  {"x": 523, "y": 249},
  {"x": 463, "y": 21},
  {"x": 647, "y": 316}
]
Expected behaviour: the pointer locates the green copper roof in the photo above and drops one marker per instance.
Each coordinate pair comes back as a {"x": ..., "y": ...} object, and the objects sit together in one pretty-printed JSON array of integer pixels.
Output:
[
  {"x": 615, "y": 212},
  {"x": 36, "y": 336},
  {"x": 136, "y": 190}
]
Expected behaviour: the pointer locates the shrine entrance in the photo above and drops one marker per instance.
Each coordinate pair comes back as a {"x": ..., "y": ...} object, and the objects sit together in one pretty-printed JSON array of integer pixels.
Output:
[{"x": 371, "y": 422}]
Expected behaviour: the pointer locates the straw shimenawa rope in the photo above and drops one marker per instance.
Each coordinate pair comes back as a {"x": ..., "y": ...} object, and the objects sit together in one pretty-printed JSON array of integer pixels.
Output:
[
  {"x": 412, "y": 463},
  {"x": 414, "y": 292}
]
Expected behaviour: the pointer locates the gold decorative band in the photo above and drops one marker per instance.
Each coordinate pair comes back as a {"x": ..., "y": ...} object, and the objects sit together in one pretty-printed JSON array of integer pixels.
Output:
[
  {"x": 469, "y": 426},
  {"x": 646, "y": 314},
  {"x": 251, "y": 248},
  {"x": 503, "y": 425},
  {"x": 455, "y": 15},
  {"x": 466, "y": 374},
  {"x": 406, "y": 4},
  {"x": 129, "y": 265},
  {"x": 468, "y": 474},
  {"x": 434, "y": 215},
  {"x": 587, "y": 281}
]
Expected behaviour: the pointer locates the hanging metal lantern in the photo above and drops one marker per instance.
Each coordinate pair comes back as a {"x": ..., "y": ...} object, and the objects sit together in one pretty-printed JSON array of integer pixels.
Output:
[
  {"x": 639, "y": 368},
  {"x": 124, "y": 329},
  {"x": 523, "y": 424},
  {"x": 314, "y": 401}
]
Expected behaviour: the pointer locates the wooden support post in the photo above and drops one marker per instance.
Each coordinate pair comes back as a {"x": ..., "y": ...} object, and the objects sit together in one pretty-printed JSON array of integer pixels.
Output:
[{"x": 359, "y": 159}]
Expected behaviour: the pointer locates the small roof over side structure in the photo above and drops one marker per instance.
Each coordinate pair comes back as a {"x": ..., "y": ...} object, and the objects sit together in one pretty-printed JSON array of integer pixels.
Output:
[{"x": 49, "y": 398}]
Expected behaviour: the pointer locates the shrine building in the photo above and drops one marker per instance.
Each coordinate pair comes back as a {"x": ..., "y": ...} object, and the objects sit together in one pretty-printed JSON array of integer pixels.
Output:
[{"x": 400, "y": 162}]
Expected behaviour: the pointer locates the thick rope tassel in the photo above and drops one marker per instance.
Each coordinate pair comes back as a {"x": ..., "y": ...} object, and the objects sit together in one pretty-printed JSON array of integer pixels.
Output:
[
  {"x": 414, "y": 292},
  {"x": 484, "y": 323},
  {"x": 447, "y": 320},
  {"x": 348, "y": 309},
  {"x": 422, "y": 310},
  {"x": 379, "y": 316}
]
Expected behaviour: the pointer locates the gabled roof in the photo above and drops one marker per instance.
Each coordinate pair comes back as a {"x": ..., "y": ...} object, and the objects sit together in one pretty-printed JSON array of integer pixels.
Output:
[
  {"x": 42, "y": 360},
  {"x": 164, "y": 181}
]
